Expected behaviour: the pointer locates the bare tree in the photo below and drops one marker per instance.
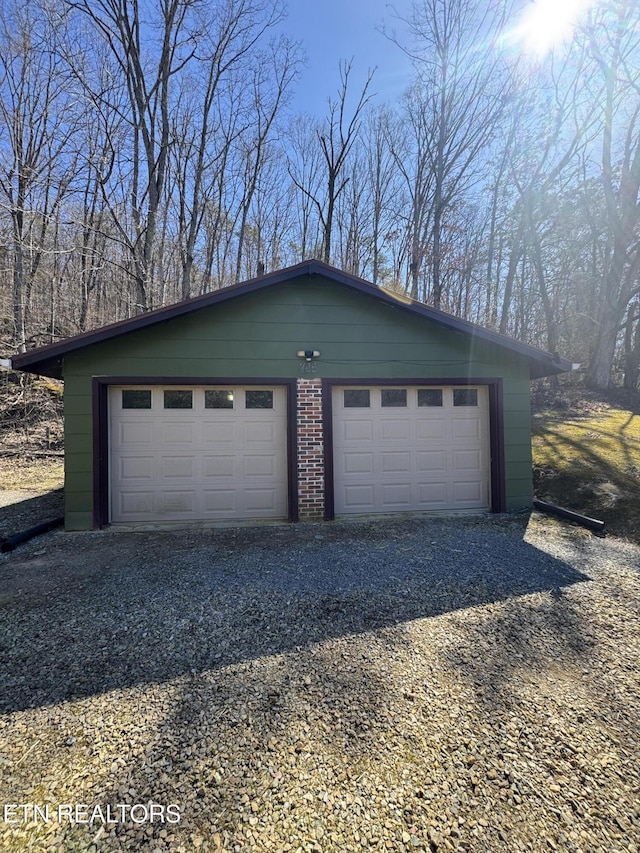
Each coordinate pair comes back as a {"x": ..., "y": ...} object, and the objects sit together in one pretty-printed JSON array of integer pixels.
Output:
[
  {"x": 462, "y": 87},
  {"x": 336, "y": 137},
  {"x": 304, "y": 165},
  {"x": 147, "y": 67},
  {"x": 384, "y": 186},
  {"x": 272, "y": 78},
  {"x": 614, "y": 45},
  {"x": 221, "y": 116},
  {"x": 410, "y": 146},
  {"x": 37, "y": 163}
]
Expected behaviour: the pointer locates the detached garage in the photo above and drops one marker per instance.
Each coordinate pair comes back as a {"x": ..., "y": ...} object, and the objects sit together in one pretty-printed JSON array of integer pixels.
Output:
[{"x": 303, "y": 394}]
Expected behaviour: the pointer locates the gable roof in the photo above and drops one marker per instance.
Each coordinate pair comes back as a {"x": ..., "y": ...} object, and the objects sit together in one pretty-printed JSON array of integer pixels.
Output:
[{"x": 47, "y": 360}]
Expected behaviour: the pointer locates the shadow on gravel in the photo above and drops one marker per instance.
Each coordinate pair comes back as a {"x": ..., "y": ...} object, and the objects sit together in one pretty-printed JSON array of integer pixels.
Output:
[
  {"x": 525, "y": 636},
  {"x": 16, "y": 517},
  {"x": 81, "y": 614}
]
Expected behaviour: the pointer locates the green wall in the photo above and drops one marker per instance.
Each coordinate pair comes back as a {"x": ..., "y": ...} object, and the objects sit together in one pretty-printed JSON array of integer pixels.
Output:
[{"x": 258, "y": 335}]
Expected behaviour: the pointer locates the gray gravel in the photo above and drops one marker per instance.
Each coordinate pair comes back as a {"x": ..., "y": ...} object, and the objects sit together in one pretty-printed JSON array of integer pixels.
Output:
[
  {"x": 21, "y": 510},
  {"x": 418, "y": 684}
]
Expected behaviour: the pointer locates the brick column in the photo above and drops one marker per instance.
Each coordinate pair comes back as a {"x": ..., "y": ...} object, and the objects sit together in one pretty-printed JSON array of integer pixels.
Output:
[{"x": 310, "y": 450}]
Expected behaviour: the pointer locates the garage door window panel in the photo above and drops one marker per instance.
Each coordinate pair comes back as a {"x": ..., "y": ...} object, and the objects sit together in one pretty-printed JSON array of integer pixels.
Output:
[
  {"x": 259, "y": 399},
  {"x": 178, "y": 399},
  {"x": 356, "y": 398},
  {"x": 393, "y": 398},
  {"x": 429, "y": 398},
  {"x": 136, "y": 398},
  {"x": 465, "y": 397},
  {"x": 218, "y": 399}
]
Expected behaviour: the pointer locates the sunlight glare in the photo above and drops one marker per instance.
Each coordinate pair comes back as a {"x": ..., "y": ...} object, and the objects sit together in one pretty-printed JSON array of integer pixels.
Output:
[{"x": 546, "y": 24}]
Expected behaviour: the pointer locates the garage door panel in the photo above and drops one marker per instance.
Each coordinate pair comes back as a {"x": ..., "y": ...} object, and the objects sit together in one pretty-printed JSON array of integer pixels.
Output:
[
  {"x": 176, "y": 502},
  {"x": 429, "y": 429},
  {"x": 358, "y": 463},
  {"x": 431, "y": 460},
  {"x": 432, "y": 495},
  {"x": 466, "y": 460},
  {"x": 177, "y": 466},
  {"x": 136, "y": 467},
  {"x": 471, "y": 493},
  {"x": 398, "y": 462},
  {"x": 260, "y": 500},
  {"x": 208, "y": 462},
  {"x": 358, "y": 498},
  {"x": 179, "y": 432},
  {"x": 357, "y": 430},
  {"x": 396, "y": 495},
  {"x": 218, "y": 466},
  {"x": 133, "y": 432},
  {"x": 138, "y": 503},
  {"x": 260, "y": 433},
  {"x": 426, "y": 455},
  {"x": 221, "y": 501},
  {"x": 467, "y": 428},
  {"x": 259, "y": 466},
  {"x": 215, "y": 433},
  {"x": 395, "y": 430}
]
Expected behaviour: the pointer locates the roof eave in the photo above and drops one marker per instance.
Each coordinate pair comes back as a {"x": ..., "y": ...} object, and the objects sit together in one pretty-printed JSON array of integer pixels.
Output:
[
  {"x": 33, "y": 360},
  {"x": 47, "y": 360}
]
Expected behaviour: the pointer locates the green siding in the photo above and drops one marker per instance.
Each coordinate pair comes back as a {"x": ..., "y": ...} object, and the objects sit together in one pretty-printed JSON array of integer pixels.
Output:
[
  {"x": 78, "y": 501},
  {"x": 258, "y": 335},
  {"x": 79, "y": 463},
  {"x": 78, "y": 520}
]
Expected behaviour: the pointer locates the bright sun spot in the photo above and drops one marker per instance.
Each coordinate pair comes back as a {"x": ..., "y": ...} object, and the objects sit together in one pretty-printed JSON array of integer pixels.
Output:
[{"x": 546, "y": 24}]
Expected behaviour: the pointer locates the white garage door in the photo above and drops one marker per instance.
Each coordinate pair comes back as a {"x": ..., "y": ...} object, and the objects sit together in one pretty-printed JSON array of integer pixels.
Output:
[
  {"x": 409, "y": 448},
  {"x": 197, "y": 453}
]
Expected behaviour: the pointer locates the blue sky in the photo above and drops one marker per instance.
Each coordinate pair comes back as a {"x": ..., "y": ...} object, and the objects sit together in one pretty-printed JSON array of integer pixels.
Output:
[{"x": 331, "y": 30}]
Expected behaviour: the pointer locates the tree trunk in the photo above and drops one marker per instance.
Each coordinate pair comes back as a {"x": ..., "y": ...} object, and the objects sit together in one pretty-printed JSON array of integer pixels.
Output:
[
  {"x": 599, "y": 376},
  {"x": 437, "y": 248},
  {"x": 19, "y": 311},
  {"x": 632, "y": 350}
]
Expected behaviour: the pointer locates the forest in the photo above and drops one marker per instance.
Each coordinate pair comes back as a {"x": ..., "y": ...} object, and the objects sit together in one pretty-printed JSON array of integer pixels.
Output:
[{"x": 149, "y": 152}]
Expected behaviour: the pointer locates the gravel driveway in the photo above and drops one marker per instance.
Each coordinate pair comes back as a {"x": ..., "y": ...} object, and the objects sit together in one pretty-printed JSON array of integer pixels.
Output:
[{"x": 464, "y": 685}]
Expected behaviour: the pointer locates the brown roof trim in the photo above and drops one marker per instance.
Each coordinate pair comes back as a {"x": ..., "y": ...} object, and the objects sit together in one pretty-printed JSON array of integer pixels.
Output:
[{"x": 47, "y": 360}]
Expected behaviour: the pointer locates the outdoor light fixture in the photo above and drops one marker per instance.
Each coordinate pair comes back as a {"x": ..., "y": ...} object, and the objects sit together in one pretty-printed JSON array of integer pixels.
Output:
[{"x": 308, "y": 354}]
